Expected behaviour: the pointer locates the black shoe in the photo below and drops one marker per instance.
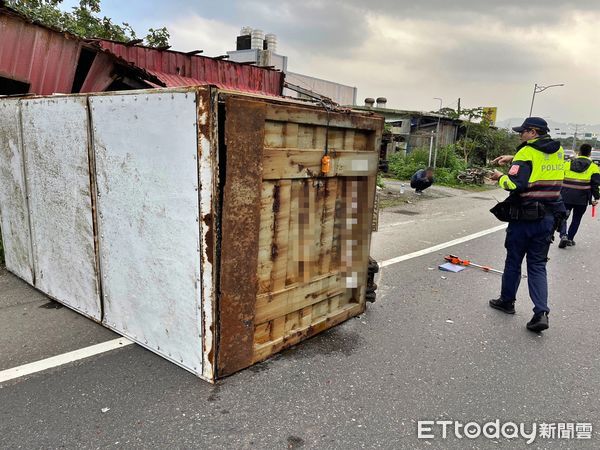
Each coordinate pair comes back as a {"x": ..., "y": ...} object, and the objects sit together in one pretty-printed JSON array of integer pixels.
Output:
[
  {"x": 506, "y": 306},
  {"x": 538, "y": 322},
  {"x": 564, "y": 241},
  {"x": 570, "y": 243}
]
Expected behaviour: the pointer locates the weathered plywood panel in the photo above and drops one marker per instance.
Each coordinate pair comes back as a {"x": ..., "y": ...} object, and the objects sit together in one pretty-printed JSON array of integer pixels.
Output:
[
  {"x": 265, "y": 237},
  {"x": 319, "y": 280},
  {"x": 306, "y": 163},
  {"x": 148, "y": 204},
  {"x": 295, "y": 297},
  {"x": 319, "y": 116},
  {"x": 329, "y": 192},
  {"x": 56, "y": 146},
  {"x": 263, "y": 351},
  {"x": 281, "y": 212},
  {"x": 14, "y": 212}
]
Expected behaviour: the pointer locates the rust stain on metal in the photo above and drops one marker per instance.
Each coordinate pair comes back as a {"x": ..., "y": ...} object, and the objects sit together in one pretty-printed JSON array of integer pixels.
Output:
[
  {"x": 205, "y": 135},
  {"x": 209, "y": 237},
  {"x": 244, "y": 138}
]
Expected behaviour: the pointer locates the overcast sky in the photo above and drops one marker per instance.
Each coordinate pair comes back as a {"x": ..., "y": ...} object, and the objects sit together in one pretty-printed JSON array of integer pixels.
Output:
[{"x": 489, "y": 53}]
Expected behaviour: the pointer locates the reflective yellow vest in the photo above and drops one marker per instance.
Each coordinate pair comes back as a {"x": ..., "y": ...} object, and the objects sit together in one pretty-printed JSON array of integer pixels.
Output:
[
  {"x": 547, "y": 173},
  {"x": 579, "y": 180}
]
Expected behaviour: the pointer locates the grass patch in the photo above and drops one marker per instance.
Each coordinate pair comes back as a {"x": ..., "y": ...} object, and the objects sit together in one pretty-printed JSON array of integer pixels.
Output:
[{"x": 448, "y": 165}]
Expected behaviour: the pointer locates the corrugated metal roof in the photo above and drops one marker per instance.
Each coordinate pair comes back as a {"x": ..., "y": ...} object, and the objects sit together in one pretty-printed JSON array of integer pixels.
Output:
[
  {"x": 43, "y": 58},
  {"x": 47, "y": 60},
  {"x": 180, "y": 69}
]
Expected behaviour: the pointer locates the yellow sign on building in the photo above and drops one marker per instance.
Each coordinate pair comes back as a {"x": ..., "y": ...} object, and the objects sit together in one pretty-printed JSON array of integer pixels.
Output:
[{"x": 489, "y": 114}]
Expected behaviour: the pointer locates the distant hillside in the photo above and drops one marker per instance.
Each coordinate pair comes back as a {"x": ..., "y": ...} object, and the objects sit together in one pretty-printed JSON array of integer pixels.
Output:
[{"x": 562, "y": 126}]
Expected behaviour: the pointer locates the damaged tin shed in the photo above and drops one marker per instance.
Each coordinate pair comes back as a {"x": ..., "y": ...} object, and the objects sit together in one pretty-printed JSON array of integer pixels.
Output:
[
  {"x": 197, "y": 222},
  {"x": 37, "y": 59}
]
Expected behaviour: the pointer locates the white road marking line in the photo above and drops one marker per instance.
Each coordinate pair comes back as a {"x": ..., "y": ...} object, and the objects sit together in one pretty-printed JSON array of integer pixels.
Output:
[
  {"x": 65, "y": 358},
  {"x": 441, "y": 246}
]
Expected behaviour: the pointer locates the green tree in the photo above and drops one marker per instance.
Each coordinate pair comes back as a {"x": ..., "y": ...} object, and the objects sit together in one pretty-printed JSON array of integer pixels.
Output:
[
  {"x": 84, "y": 21},
  {"x": 481, "y": 142}
]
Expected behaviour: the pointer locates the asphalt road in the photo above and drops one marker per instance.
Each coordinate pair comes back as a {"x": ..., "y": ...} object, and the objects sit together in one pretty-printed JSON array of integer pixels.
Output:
[{"x": 429, "y": 349}]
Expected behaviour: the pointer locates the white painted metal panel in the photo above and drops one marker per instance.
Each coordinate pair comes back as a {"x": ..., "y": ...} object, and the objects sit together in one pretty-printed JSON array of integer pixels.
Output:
[
  {"x": 146, "y": 148},
  {"x": 56, "y": 146},
  {"x": 208, "y": 171},
  {"x": 14, "y": 214}
]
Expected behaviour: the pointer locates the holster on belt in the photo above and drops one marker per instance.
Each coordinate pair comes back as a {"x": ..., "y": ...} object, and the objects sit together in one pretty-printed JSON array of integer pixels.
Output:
[{"x": 510, "y": 211}]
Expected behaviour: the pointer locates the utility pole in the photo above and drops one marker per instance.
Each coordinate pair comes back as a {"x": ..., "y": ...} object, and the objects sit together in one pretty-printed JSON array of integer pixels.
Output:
[
  {"x": 437, "y": 132},
  {"x": 458, "y": 111},
  {"x": 532, "y": 99},
  {"x": 430, "y": 148},
  {"x": 575, "y": 137}
]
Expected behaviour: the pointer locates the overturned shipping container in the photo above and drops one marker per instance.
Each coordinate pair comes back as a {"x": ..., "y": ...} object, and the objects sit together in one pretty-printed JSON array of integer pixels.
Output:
[{"x": 197, "y": 222}]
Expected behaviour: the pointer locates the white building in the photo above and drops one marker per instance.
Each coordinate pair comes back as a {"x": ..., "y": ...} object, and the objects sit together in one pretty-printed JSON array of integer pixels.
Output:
[{"x": 255, "y": 47}]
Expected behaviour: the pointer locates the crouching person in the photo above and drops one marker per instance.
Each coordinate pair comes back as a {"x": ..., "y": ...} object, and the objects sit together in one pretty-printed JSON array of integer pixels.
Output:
[{"x": 421, "y": 180}]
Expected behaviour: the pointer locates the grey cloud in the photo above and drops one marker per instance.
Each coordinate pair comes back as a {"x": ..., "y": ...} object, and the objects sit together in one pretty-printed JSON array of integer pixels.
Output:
[
  {"x": 453, "y": 46},
  {"x": 490, "y": 60},
  {"x": 337, "y": 28},
  {"x": 326, "y": 27},
  {"x": 538, "y": 11}
]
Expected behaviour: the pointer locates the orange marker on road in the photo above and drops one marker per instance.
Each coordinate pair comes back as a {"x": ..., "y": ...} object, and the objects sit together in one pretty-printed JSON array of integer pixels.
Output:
[{"x": 465, "y": 262}]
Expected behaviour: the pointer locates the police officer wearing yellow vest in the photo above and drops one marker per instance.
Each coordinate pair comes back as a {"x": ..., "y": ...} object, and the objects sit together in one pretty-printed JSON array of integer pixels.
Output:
[
  {"x": 533, "y": 211},
  {"x": 580, "y": 188}
]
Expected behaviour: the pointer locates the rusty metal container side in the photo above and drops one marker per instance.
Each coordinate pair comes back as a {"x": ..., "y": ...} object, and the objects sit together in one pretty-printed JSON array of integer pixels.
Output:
[
  {"x": 306, "y": 234},
  {"x": 244, "y": 140},
  {"x": 14, "y": 212},
  {"x": 56, "y": 148},
  {"x": 146, "y": 155}
]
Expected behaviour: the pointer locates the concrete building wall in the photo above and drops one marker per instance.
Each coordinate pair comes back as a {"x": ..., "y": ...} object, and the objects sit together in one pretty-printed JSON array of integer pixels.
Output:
[{"x": 339, "y": 93}]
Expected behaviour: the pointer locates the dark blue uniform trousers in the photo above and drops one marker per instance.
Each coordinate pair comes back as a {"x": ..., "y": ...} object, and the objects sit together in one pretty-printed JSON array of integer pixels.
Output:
[
  {"x": 531, "y": 239},
  {"x": 578, "y": 212}
]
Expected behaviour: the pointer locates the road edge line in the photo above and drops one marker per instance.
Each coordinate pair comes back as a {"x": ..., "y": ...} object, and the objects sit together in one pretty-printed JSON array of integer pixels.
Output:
[
  {"x": 442, "y": 246},
  {"x": 62, "y": 359}
]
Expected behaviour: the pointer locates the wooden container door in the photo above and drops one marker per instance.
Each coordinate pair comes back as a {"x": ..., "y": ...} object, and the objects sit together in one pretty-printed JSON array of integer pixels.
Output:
[{"x": 295, "y": 241}]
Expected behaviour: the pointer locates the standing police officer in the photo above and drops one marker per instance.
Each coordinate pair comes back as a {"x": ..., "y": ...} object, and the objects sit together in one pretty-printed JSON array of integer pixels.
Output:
[
  {"x": 580, "y": 188},
  {"x": 534, "y": 182}
]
